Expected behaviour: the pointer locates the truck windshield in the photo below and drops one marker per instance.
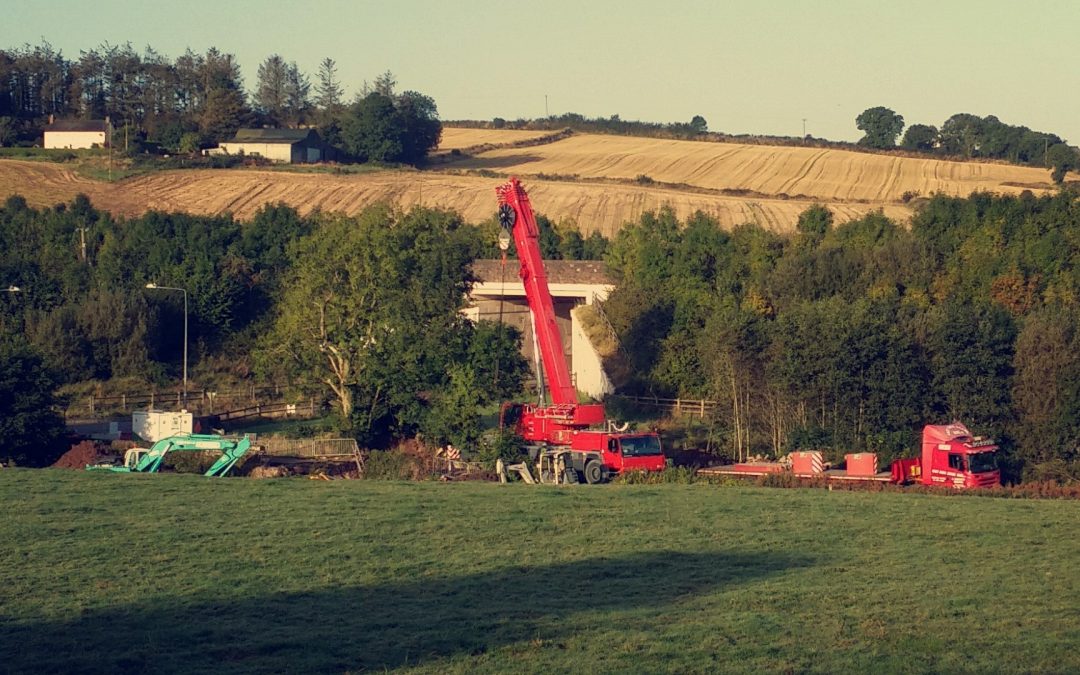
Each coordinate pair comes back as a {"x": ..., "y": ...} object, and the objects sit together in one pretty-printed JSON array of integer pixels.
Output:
[
  {"x": 981, "y": 462},
  {"x": 637, "y": 446}
]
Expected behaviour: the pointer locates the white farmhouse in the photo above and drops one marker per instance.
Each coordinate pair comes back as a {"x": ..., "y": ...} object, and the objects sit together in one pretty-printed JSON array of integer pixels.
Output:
[
  {"x": 76, "y": 134},
  {"x": 292, "y": 146}
]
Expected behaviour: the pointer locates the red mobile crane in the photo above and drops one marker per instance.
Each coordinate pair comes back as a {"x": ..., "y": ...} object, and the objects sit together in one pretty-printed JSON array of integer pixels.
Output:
[{"x": 562, "y": 432}]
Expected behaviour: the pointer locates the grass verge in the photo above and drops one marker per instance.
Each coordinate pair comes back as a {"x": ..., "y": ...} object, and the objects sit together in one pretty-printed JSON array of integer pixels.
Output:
[{"x": 172, "y": 573}]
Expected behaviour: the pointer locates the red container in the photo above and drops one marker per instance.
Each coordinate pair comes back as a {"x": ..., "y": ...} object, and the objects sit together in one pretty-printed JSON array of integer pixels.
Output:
[
  {"x": 862, "y": 464},
  {"x": 807, "y": 463}
]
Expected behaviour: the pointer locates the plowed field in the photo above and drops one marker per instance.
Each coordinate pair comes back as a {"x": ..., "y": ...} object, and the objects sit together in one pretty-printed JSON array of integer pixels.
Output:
[{"x": 736, "y": 183}]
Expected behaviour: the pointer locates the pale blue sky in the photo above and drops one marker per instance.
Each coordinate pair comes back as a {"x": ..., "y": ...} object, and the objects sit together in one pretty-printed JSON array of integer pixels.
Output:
[{"x": 746, "y": 66}]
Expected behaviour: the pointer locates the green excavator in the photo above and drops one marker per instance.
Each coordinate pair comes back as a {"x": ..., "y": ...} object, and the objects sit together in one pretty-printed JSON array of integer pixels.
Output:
[{"x": 149, "y": 460}]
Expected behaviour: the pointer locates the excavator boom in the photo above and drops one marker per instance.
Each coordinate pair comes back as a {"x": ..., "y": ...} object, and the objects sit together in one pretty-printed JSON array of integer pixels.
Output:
[{"x": 151, "y": 460}]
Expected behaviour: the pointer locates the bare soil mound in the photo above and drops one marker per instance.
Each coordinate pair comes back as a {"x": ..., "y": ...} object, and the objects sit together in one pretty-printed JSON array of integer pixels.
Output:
[{"x": 81, "y": 454}]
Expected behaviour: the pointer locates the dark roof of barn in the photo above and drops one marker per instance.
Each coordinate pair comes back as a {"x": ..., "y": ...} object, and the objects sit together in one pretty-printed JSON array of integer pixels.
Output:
[
  {"x": 558, "y": 271},
  {"x": 273, "y": 135},
  {"x": 76, "y": 125}
]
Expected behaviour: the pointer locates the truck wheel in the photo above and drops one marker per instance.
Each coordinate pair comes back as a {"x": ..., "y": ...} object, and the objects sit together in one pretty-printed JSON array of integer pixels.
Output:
[
  {"x": 570, "y": 475},
  {"x": 594, "y": 472}
]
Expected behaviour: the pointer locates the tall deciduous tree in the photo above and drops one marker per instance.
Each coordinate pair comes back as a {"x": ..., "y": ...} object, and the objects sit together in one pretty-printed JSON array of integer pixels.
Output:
[
  {"x": 370, "y": 313},
  {"x": 881, "y": 127},
  {"x": 920, "y": 137}
]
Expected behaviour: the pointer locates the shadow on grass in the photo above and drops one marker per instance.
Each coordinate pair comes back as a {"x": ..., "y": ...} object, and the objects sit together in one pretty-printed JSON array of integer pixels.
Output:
[{"x": 381, "y": 626}]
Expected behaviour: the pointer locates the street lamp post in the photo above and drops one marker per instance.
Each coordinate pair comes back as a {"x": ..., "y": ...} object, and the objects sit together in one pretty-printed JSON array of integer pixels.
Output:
[{"x": 154, "y": 286}]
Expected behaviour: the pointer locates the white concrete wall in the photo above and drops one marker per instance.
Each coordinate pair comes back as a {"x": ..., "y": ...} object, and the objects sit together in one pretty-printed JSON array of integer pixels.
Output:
[
  {"x": 588, "y": 369},
  {"x": 586, "y": 366},
  {"x": 277, "y": 152},
  {"x": 514, "y": 288},
  {"x": 74, "y": 140}
]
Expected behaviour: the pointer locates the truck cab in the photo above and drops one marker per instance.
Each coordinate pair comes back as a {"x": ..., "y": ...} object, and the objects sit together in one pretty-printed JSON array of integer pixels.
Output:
[
  {"x": 634, "y": 452},
  {"x": 953, "y": 457},
  {"x": 620, "y": 452}
]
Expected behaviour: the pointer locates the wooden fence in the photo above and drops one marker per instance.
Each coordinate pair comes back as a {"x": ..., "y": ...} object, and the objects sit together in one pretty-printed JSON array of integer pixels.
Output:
[
  {"x": 308, "y": 448},
  {"x": 280, "y": 409},
  {"x": 201, "y": 402},
  {"x": 674, "y": 406}
]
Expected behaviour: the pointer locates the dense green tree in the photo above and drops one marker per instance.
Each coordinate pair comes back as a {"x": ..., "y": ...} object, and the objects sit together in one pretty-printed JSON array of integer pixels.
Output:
[
  {"x": 880, "y": 126},
  {"x": 421, "y": 129},
  {"x": 370, "y": 312},
  {"x": 31, "y": 430},
  {"x": 372, "y": 130},
  {"x": 961, "y": 134},
  {"x": 384, "y": 129},
  {"x": 971, "y": 350},
  {"x": 920, "y": 137},
  {"x": 1062, "y": 159},
  {"x": 1045, "y": 389},
  {"x": 813, "y": 224}
]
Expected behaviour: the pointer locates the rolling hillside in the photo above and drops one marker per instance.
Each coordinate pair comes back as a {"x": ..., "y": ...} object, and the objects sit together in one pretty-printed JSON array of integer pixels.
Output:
[
  {"x": 597, "y": 181},
  {"x": 782, "y": 171}
]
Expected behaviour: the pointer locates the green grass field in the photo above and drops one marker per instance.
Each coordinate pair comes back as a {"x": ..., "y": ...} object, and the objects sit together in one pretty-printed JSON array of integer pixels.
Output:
[{"x": 170, "y": 573}]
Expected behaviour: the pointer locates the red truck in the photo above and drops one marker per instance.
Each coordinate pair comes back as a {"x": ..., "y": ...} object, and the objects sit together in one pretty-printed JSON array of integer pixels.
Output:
[
  {"x": 951, "y": 456},
  {"x": 571, "y": 441}
]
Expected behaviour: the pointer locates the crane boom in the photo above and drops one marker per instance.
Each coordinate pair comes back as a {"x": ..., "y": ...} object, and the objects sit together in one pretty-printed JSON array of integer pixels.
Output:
[
  {"x": 516, "y": 214},
  {"x": 563, "y": 436}
]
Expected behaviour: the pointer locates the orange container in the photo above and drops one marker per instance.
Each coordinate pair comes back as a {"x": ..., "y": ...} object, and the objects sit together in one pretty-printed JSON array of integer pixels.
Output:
[
  {"x": 807, "y": 463},
  {"x": 861, "y": 464}
]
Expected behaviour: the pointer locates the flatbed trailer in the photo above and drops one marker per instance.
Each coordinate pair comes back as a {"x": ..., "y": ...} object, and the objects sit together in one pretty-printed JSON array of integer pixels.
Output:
[
  {"x": 951, "y": 456},
  {"x": 759, "y": 469}
]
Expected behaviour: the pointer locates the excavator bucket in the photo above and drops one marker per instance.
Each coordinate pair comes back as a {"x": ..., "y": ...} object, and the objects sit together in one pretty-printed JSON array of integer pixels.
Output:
[{"x": 229, "y": 457}]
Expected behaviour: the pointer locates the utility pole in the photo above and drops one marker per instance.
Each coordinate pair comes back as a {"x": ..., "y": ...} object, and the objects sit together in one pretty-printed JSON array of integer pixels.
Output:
[
  {"x": 804, "y": 129},
  {"x": 546, "y": 115}
]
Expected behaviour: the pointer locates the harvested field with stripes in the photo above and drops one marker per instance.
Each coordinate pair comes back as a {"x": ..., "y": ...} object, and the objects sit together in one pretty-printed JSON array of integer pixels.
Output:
[
  {"x": 779, "y": 171},
  {"x": 454, "y": 138},
  {"x": 597, "y": 182},
  {"x": 592, "y": 205}
]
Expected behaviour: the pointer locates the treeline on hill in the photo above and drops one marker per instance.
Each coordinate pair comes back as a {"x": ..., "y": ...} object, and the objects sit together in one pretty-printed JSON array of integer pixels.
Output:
[
  {"x": 961, "y": 136},
  {"x": 972, "y": 137},
  {"x": 199, "y": 100},
  {"x": 360, "y": 311},
  {"x": 851, "y": 337}
]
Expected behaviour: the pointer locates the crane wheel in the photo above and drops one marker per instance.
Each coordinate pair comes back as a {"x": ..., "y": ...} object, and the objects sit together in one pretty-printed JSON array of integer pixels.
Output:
[
  {"x": 594, "y": 472},
  {"x": 570, "y": 475}
]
